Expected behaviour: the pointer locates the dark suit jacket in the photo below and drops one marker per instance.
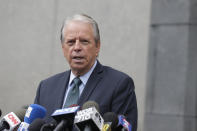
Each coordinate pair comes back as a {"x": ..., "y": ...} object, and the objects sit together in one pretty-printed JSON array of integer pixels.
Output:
[{"x": 111, "y": 89}]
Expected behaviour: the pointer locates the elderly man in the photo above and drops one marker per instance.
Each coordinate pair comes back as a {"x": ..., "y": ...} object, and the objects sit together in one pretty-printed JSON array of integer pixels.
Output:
[{"x": 87, "y": 79}]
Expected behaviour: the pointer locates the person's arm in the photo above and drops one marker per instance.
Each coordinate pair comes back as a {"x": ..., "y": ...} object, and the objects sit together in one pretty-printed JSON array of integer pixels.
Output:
[{"x": 124, "y": 101}]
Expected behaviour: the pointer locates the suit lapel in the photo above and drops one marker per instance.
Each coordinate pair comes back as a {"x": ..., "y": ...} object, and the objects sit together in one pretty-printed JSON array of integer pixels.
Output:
[
  {"x": 62, "y": 89},
  {"x": 94, "y": 79}
]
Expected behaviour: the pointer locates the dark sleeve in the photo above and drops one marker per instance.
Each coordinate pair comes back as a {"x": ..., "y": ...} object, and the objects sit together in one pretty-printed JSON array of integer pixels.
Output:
[
  {"x": 37, "y": 98},
  {"x": 124, "y": 101}
]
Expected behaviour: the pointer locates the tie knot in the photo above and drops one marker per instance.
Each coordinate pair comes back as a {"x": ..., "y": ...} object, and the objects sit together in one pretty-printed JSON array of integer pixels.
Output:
[{"x": 77, "y": 81}]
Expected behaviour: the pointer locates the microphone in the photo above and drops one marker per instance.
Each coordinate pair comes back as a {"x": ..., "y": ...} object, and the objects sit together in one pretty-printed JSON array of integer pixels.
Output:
[
  {"x": 36, "y": 124},
  {"x": 33, "y": 112},
  {"x": 111, "y": 118},
  {"x": 89, "y": 119},
  {"x": 107, "y": 126},
  {"x": 49, "y": 126},
  {"x": 65, "y": 117},
  {"x": 124, "y": 123},
  {"x": 118, "y": 123},
  {"x": 12, "y": 120},
  {"x": 89, "y": 104}
]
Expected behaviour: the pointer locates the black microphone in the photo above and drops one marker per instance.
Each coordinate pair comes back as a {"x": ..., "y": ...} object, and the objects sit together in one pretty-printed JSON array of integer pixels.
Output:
[
  {"x": 40, "y": 125},
  {"x": 49, "y": 126},
  {"x": 36, "y": 125},
  {"x": 112, "y": 118},
  {"x": 65, "y": 117},
  {"x": 12, "y": 120},
  {"x": 89, "y": 119}
]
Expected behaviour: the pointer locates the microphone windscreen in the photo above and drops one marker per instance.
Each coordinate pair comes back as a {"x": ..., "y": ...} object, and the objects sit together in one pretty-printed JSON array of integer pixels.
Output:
[
  {"x": 36, "y": 125},
  {"x": 20, "y": 114},
  {"x": 33, "y": 112},
  {"x": 111, "y": 117},
  {"x": 89, "y": 104}
]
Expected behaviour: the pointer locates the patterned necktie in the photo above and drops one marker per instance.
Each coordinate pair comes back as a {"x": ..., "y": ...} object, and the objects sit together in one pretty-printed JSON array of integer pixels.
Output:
[{"x": 73, "y": 94}]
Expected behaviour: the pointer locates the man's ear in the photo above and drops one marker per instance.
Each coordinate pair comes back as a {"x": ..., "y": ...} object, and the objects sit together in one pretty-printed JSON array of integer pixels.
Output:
[
  {"x": 98, "y": 48},
  {"x": 63, "y": 48}
]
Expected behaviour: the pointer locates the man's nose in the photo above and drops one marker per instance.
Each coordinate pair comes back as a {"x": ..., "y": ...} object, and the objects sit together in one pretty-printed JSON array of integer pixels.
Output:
[{"x": 77, "y": 46}]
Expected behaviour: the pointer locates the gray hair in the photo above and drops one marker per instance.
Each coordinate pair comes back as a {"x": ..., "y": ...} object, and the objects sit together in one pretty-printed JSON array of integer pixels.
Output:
[{"x": 83, "y": 18}]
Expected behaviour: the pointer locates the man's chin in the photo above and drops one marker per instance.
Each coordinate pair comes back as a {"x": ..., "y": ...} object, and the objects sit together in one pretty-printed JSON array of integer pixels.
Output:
[{"x": 78, "y": 70}]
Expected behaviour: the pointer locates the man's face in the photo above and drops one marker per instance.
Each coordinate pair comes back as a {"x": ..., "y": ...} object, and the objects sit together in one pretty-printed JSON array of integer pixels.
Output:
[{"x": 79, "y": 46}]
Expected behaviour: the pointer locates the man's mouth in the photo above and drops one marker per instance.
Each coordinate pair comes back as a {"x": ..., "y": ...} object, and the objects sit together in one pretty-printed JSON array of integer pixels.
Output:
[{"x": 77, "y": 57}]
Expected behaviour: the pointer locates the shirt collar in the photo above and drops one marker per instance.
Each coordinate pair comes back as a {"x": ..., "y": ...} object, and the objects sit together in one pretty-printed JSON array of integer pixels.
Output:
[{"x": 84, "y": 78}]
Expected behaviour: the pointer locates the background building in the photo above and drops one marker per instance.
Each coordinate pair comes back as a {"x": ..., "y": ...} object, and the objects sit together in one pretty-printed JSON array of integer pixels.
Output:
[{"x": 171, "y": 102}]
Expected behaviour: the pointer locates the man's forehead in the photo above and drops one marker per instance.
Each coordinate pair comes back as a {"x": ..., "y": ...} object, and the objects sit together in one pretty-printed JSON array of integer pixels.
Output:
[
  {"x": 80, "y": 36},
  {"x": 78, "y": 25},
  {"x": 78, "y": 22},
  {"x": 78, "y": 29}
]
